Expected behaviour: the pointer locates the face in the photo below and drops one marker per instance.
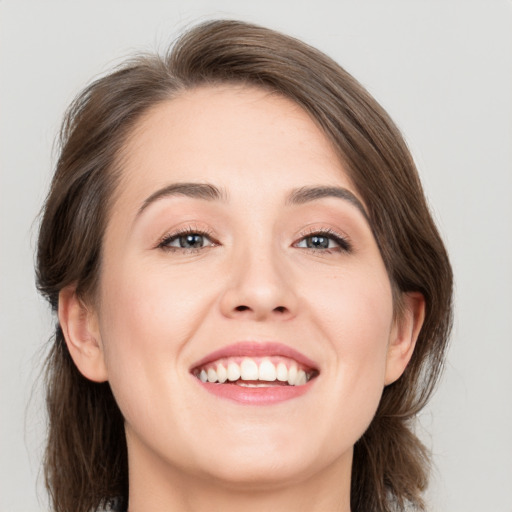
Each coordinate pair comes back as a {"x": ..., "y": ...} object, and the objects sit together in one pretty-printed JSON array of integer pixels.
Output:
[{"x": 244, "y": 312}]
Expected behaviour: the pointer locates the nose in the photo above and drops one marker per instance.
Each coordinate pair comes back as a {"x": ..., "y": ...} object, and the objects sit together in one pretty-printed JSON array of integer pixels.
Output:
[{"x": 260, "y": 287}]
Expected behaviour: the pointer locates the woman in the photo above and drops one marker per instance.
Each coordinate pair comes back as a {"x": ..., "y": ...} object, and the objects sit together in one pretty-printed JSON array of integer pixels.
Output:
[{"x": 253, "y": 300}]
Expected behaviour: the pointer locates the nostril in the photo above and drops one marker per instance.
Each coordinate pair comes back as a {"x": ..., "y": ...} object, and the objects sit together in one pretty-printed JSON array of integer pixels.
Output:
[
  {"x": 280, "y": 309},
  {"x": 242, "y": 308}
]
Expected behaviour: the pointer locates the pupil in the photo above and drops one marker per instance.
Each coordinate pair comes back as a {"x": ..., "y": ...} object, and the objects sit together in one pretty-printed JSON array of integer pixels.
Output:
[
  {"x": 316, "y": 242},
  {"x": 192, "y": 240}
]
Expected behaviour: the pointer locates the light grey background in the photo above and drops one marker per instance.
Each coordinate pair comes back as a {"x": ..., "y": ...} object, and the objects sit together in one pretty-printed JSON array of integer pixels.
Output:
[{"x": 443, "y": 69}]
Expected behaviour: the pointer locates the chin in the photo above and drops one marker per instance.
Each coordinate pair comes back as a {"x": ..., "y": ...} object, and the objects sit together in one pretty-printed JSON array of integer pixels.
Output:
[
  {"x": 260, "y": 471},
  {"x": 266, "y": 460}
]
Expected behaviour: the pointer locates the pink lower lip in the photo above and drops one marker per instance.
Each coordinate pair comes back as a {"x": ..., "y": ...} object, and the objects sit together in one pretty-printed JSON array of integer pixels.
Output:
[{"x": 256, "y": 396}]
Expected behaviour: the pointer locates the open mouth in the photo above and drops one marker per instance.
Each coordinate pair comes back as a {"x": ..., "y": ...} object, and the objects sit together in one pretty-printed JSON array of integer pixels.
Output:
[{"x": 255, "y": 372}]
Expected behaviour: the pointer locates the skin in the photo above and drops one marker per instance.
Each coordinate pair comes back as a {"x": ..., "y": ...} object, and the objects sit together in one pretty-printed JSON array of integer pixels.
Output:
[{"x": 159, "y": 310}]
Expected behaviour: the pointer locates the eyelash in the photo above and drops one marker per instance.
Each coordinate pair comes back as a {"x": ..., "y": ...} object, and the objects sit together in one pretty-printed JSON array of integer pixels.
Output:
[
  {"x": 171, "y": 237},
  {"x": 343, "y": 243}
]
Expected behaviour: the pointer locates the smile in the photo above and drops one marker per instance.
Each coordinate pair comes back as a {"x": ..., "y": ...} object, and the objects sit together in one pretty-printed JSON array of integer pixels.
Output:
[
  {"x": 260, "y": 372},
  {"x": 256, "y": 373}
]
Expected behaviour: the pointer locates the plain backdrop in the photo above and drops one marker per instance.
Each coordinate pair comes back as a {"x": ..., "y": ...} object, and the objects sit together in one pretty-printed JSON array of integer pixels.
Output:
[{"x": 443, "y": 69}]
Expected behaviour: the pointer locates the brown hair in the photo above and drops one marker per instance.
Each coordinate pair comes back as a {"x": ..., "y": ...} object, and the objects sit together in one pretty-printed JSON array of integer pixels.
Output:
[{"x": 86, "y": 459}]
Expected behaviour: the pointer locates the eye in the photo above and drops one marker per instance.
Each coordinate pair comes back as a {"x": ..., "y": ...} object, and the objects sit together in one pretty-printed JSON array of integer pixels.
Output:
[
  {"x": 327, "y": 241},
  {"x": 186, "y": 240}
]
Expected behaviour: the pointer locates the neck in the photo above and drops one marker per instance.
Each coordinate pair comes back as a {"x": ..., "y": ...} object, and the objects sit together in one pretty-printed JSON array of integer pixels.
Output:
[{"x": 157, "y": 486}]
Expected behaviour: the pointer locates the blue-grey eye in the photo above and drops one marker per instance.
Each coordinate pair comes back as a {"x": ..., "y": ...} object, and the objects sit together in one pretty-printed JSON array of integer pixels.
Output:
[
  {"x": 191, "y": 241},
  {"x": 318, "y": 242},
  {"x": 187, "y": 241},
  {"x": 324, "y": 242}
]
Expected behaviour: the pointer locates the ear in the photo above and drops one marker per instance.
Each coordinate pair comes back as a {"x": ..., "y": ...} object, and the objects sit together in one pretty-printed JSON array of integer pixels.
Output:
[
  {"x": 404, "y": 335},
  {"x": 81, "y": 332}
]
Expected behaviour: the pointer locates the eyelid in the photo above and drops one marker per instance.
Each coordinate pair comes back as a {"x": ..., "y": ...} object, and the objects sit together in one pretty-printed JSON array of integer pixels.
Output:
[
  {"x": 342, "y": 239},
  {"x": 183, "y": 231}
]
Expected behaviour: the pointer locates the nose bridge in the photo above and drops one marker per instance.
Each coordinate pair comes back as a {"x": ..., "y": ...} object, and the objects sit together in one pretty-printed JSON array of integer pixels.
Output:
[{"x": 260, "y": 283}]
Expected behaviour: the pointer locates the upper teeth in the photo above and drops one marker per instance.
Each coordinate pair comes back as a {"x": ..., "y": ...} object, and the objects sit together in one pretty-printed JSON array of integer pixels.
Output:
[{"x": 249, "y": 369}]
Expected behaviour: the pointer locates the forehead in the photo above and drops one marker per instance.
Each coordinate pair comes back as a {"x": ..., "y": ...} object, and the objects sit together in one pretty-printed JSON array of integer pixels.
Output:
[{"x": 232, "y": 136}]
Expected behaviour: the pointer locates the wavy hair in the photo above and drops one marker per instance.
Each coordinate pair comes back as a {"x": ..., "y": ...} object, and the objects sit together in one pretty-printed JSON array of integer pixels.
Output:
[{"x": 86, "y": 457}]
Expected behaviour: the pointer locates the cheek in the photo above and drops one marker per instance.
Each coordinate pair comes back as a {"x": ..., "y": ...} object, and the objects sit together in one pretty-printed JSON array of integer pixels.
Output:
[
  {"x": 150, "y": 304},
  {"x": 354, "y": 307},
  {"x": 147, "y": 317},
  {"x": 354, "y": 313}
]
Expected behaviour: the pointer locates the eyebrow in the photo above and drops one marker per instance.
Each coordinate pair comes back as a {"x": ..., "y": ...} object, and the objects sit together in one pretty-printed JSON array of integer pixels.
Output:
[
  {"x": 209, "y": 192},
  {"x": 307, "y": 194},
  {"x": 194, "y": 190}
]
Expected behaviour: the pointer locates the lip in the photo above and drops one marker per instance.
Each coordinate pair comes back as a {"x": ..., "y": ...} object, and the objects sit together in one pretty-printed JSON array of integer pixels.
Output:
[
  {"x": 257, "y": 349},
  {"x": 258, "y": 395}
]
